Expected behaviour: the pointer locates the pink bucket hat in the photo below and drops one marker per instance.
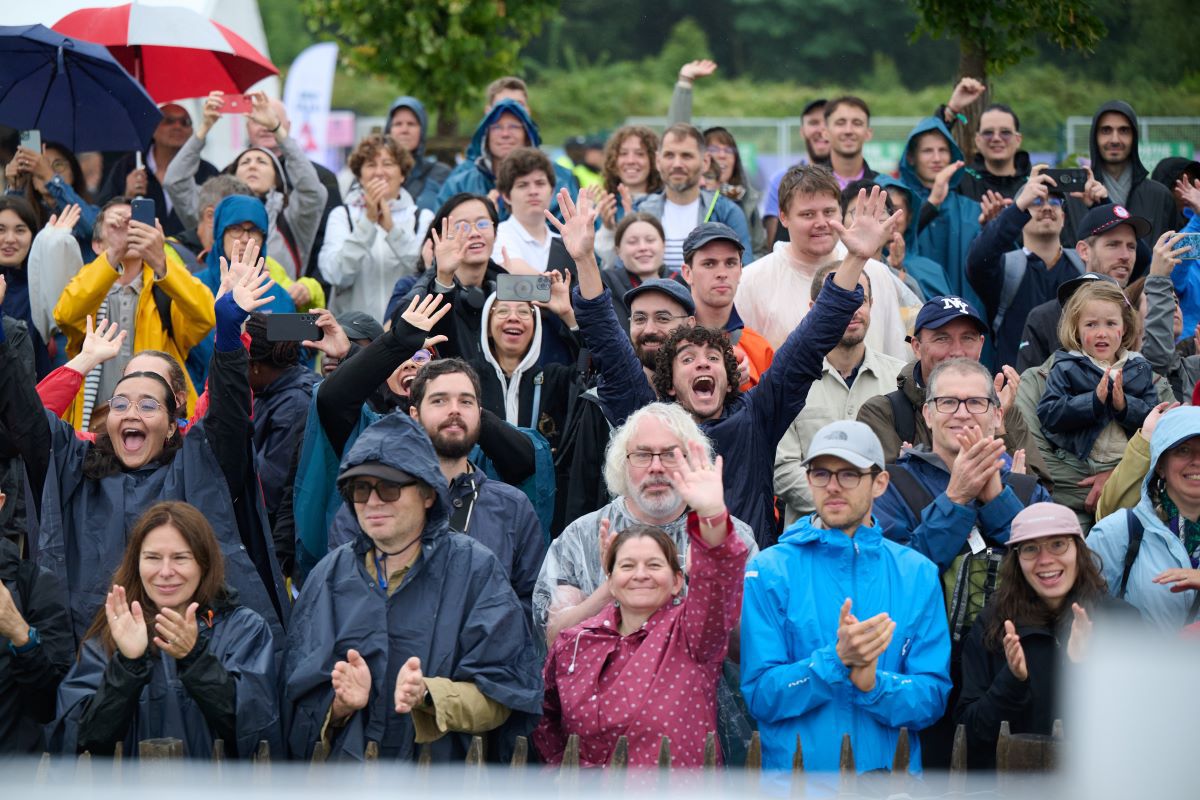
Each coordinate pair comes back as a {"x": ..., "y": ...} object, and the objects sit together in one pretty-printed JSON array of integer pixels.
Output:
[{"x": 1041, "y": 520}]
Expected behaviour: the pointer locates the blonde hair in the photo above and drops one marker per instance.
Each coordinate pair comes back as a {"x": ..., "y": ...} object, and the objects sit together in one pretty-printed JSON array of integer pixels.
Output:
[{"x": 1100, "y": 291}]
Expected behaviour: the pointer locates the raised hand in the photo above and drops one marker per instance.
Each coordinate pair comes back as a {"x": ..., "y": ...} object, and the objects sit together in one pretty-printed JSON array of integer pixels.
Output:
[
  {"x": 941, "y": 183},
  {"x": 135, "y": 183},
  {"x": 627, "y": 197},
  {"x": 1081, "y": 632},
  {"x": 449, "y": 249},
  {"x": 896, "y": 251},
  {"x": 1006, "y": 383},
  {"x": 102, "y": 343},
  {"x": 1036, "y": 188},
  {"x": 300, "y": 294},
  {"x": 177, "y": 633},
  {"x": 1118, "y": 390},
  {"x": 334, "y": 343},
  {"x": 978, "y": 462},
  {"x": 607, "y": 209},
  {"x": 423, "y": 312},
  {"x": 126, "y": 623},
  {"x": 209, "y": 114},
  {"x": 579, "y": 229},
  {"x": 3, "y": 289},
  {"x": 1156, "y": 413},
  {"x": 966, "y": 92},
  {"x": 12, "y": 625},
  {"x": 250, "y": 290},
  {"x": 872, "y": 228},
  {"x": 991, "y": 204},
  {"x": 1168, "y": 253},
  {"x": 1014, "y": 653},
  {"x": 1102, "y": 388},
  {"x": 607, "y": 537},
  {"x": 67, "y": 219},
  {"x": 1189, "y": 193},
  {"x": 264, "y": 114},
  {"x": 1094, "y": 191},
  {"x": 693, "y": 70},
  {"x": 860, "y": 644},
  {"x": 1018, "y": 463},
  {"x": 148, "y": 242},
  {"x": 698, "y": 481},
  {"x": 410, "y": 686},
  {"x": 351, "y": 685},
  {"x": 560, "y": 297}
]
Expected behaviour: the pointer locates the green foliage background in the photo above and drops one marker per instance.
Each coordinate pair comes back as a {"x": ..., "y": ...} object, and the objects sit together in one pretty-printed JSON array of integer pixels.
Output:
[{"x": 599, "y": 61}]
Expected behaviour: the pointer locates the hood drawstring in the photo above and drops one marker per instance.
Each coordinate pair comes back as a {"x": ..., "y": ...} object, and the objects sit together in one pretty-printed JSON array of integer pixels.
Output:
[{"x": 571, "y": 667}]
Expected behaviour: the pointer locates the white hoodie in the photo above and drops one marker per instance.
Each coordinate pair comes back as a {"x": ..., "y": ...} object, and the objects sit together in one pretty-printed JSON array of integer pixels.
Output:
[
  {"x": 363, "y": 263},
  {"x": 511, "y": 387}
]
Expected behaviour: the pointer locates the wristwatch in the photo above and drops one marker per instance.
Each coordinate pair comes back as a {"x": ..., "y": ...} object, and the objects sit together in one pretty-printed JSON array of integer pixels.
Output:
[{"x": 34, "y": 641}]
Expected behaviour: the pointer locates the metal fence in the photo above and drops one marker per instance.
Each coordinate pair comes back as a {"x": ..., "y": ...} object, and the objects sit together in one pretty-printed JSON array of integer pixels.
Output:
[{"x": 1158, "y": 137}]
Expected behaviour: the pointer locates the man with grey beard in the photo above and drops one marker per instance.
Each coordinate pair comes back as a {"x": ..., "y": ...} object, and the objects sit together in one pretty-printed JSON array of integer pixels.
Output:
[{"x": 639, "y": 464}]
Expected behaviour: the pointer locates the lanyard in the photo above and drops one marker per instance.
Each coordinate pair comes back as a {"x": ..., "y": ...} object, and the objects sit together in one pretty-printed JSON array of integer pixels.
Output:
[{"x": 381, "y": 557}]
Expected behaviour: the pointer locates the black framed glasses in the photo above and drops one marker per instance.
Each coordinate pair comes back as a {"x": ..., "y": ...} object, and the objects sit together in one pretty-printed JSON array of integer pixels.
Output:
[
  {"x": 146, "y": 407},
  {"x": 359, "y": 491},
  {"x": 1029, "y": 551},
  {"x": 846, "y": 478},
  {"x": 644, "y": 458},
  {"x": 950, "y": 405}
]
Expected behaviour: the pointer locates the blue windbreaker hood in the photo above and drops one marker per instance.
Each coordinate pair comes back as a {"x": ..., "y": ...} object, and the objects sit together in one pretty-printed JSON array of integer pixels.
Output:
[
  {"x": 235, "y": 210},
  {"x": 417, "y": 107},
  {"x": 909, "y": 175},
  {"x": 1176, "y": 426},
  {"x": 399, "y": 442},
  {"x": 512, "y": 107}
]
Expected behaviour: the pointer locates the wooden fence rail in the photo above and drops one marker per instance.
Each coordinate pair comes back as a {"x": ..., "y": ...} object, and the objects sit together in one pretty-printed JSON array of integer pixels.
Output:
[{"x": 1015, "y": 753}]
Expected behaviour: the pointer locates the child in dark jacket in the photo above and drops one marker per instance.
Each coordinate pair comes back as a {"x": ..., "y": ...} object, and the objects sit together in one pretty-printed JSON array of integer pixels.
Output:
[{"x": 1099, "y": 391}]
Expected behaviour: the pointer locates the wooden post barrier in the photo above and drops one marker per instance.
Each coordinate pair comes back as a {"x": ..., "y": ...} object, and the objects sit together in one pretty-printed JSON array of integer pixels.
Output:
[
  {"x": 425, "y": 756},
  {"x": 263, "y": 754},
  {"x": 475, "y": 752},
  {"x": 570, "y": 759},
  {"x": 958, "y": 762},
  {"x": 520, "y": 755},
  {"x": 710, "y": 750},
  {"x": 849, "y": 773},
  {"x": 1027, "y": 752},
  {"x": 43, "y": 769},
  {"x": 218, "y": 753},
  {"x": 620, "y": 756},
  {"x": 371, "y": 754},
  {"x": 664, "y": 753},
  {"x": 754, "y": 753},
  {"x": 160, "y": 749}
]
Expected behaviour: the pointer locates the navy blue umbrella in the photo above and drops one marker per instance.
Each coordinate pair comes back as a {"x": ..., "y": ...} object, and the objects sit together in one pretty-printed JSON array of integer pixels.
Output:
[{"x": 74, "y": 92}]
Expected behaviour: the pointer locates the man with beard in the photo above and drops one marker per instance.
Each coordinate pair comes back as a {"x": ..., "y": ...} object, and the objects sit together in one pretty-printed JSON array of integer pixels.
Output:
[
  {"x": 851, "y": 374},
  {"x": 682, "y": 205},
  {"x": 817, "y": 148},
  {"x": 639, "y": 467},
  {"x": 444, "y": 398}
]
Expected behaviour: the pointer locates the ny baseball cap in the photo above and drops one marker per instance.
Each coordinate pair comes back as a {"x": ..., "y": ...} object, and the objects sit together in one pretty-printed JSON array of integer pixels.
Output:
[
  {"x": 707, "y": 233},
  {"x": 945, "y": 308},
  {"x": 849, "y": 440},
  {"x": 1041, "y": 520},
  {"x": 671, "y": 288},
  {"x": 1109, "y": 216}
]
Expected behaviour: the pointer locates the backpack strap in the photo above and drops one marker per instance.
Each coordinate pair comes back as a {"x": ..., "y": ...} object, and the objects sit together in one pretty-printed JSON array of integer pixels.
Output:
[
  {"x": 536, "y": 410},
  {"x": 1136, "y": 532},
  {"x": 1072, "y": 256},
  {"x": 915, "y": 495},
  {"x": 902, "y": 416},
  {"x": 1015, "y": 264},
  {"x": 162, "y": 303}
]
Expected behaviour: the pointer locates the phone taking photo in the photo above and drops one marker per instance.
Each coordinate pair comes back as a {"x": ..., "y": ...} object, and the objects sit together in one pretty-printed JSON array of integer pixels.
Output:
[
  {"x": 236, "y": 104},
  {"x": 293, "y": 328},
  {"x": 523, "y": 287},
  {"x": 1067, "y": 181},
  {"x": 32, "y": 140},
  {"x": 142, "y": 210}
]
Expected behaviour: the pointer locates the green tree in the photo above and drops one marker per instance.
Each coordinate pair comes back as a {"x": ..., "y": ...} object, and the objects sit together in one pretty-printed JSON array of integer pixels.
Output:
[
  {"x": 996, "y": 34},
  {"x": 444, "y": 50}
]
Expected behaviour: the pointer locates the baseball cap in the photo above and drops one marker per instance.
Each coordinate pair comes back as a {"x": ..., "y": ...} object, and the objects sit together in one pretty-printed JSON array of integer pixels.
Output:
[
  {"x": 849, "y": 440},
  {"x": 945, "y": 308},
  {"x": 360, "y": 325},
  {"x": 376, "y": 469},
  {"x": 1110, "y": 215},
  {"x": 1067, "y": 288},
  {"x": 707, "y": 233},
  {"x": 1041, "y": 520},
  {"x": 671, "y": 288}
]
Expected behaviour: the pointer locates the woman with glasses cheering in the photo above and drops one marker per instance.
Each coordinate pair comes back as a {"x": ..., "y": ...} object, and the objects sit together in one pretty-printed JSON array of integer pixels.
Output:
[
  {"x": 1033, "y": 630},
  {"x": 92, "y": 492}
]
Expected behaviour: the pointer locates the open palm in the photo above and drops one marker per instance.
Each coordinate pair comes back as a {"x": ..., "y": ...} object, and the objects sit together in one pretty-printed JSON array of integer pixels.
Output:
[{"x": 579, "y": 229}]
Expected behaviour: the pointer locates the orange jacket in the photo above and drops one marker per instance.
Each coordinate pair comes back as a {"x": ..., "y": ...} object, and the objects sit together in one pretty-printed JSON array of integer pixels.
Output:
[{"x": 759, "y": 355}]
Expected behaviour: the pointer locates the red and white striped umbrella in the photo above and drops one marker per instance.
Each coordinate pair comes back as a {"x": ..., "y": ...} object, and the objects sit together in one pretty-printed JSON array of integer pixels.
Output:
[{"x": 174, "y": 52}]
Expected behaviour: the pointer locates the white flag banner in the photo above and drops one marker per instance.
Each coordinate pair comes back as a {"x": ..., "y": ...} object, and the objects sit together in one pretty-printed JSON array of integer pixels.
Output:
[{"x": 307, "y": 96}]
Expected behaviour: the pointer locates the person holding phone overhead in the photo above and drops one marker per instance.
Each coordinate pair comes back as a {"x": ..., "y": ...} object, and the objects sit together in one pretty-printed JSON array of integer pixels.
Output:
[
  {"x": 294, "y": 200},
  {"x": 142, "y": 285}
]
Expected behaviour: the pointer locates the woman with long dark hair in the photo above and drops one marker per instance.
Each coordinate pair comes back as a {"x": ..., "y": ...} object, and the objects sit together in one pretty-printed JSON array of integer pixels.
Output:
[
  {"x": 172, "y": 653},
  {"x": 18, "y": 225},
  {"x": 1034, "y": 627}
]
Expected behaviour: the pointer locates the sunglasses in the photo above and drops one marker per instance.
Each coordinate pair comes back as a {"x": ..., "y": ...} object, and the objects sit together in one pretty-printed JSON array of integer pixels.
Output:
[{"x": 359, "y": 491}]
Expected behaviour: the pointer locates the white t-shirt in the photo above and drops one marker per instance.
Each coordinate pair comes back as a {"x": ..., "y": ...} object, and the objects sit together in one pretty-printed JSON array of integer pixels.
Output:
[
  {"x": 511, "y": 235},
  {"x": 678, "y": 221}
]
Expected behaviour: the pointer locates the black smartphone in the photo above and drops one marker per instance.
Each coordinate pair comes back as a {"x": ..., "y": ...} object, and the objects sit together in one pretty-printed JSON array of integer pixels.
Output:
[
  {"x": 1067, "y": 180},
  {"x": 142, "y": 210},
  {"x": 523, "y": 287},
  {"x": 293, "y": 328}
]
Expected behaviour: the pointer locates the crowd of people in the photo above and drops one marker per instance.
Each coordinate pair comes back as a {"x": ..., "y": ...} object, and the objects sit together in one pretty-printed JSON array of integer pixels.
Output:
[{"x": 617, "y": 447}]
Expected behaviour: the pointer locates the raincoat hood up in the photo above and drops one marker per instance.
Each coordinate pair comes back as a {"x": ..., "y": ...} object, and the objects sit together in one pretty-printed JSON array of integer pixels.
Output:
[{"x": 454, "y": 609}]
